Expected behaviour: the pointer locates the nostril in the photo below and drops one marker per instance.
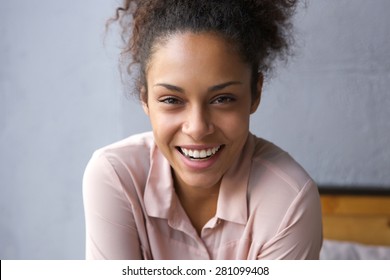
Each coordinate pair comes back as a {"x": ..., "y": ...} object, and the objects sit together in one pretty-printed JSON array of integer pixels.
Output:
[{"x": 197, "y": 127}]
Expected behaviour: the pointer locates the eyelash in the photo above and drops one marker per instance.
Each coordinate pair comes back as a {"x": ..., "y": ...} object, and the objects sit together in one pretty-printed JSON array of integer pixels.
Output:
[
  {"x": 223, "y": 99},
  {"x": 170, "y": 101},
  {"x": 218, "y": 100}
]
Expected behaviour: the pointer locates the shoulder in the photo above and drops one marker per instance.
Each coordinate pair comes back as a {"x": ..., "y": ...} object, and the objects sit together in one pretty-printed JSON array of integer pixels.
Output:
[
  {"x": 283, "y": 195},
  {"x": 126, "y": 160},
  {"x": 278, "y": 166},
  {"x": 131, "y": 151},
  {"x": 277, "y": 182},
  {"x": 133, "y": 145}
]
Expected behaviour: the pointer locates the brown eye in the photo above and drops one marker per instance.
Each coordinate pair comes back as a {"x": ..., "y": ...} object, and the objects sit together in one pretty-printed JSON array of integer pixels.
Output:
[
  {"x": 223, "y": 100},
  {"x": 170, "y": 101}
]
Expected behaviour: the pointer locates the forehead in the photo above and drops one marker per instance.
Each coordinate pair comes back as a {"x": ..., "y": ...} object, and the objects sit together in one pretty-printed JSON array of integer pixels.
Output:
[
  {"x": 184, "y": 39},
  {"x": 197, "y": 54}
]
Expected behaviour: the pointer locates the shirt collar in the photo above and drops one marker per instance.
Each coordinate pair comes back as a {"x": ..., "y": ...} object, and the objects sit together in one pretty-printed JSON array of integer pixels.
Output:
[
  {"x": 159, "y": 191},
  {"x": 232, "y": 200}
]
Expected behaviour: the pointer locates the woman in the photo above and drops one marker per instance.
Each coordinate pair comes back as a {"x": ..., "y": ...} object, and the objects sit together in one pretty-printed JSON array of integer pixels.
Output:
[{"x": 201, "y": 186}]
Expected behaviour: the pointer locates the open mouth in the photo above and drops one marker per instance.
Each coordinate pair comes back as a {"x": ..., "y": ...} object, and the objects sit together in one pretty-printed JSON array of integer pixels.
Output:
[{"x": 203, "y": 154}]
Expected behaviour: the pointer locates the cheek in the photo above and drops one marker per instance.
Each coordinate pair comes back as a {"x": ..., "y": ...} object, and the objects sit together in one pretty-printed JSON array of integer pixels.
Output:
[
  {"x": 164, "y": 125},
  {"x": 233, "y": 124}
]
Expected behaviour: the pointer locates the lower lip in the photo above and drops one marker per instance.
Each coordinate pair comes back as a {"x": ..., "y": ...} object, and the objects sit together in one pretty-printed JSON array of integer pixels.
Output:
[{"x": 199, "y": 165}]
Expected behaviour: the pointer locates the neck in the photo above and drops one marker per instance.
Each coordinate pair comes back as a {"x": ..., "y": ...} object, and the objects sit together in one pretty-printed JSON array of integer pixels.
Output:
[
  {"x": 199, "y": 203},
  {"x": 196, "y": 194}
]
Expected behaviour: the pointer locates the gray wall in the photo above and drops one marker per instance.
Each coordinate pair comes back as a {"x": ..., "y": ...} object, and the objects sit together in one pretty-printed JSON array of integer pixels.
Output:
[
  {"x": 331, "y": 107},
  {"x": 61, "y": 98}
]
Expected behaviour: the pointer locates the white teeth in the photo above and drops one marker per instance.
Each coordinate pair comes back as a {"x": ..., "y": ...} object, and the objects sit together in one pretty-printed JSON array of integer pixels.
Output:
[
  {"x": 200, "y": 154},
  {"x": 196, "y": 154}
]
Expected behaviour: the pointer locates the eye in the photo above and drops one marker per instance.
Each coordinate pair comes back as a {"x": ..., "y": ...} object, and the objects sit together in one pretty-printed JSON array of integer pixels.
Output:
[
  {"x": 224, "y": 99},
  {"x": 170, "y": 101}
]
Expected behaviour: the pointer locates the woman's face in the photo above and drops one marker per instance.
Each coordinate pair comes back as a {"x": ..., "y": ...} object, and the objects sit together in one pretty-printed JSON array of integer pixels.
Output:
[{"x": 199, "y": 103}]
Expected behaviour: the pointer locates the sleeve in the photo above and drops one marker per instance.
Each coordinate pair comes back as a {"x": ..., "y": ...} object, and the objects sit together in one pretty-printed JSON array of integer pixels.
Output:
[
  {"x": 300, "y": 233},
  {"x": 111, "y": 231}
]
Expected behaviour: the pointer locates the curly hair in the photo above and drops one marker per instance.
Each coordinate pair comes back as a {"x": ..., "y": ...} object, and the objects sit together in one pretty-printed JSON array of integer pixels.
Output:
[{"x": 259, "y": 31}]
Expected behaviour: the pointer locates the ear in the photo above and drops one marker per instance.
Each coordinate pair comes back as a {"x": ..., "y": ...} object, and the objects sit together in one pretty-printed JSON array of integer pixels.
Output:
[
  {"x": 256, "y": 99},
  {"x": 145, "y": 107},
  {"x": 144, "y": 101}
]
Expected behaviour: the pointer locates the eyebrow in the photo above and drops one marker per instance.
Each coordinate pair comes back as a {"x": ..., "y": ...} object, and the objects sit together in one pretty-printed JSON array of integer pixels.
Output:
[{"x": 210, "y": 89}]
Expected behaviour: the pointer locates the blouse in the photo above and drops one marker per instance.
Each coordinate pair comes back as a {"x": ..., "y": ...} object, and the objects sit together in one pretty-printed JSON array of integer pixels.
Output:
[{"x": 268, "y": 207}]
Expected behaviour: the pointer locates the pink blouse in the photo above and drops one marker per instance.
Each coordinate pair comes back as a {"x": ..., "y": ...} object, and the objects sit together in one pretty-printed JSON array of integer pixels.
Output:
[{"x": 268, "y": 207}]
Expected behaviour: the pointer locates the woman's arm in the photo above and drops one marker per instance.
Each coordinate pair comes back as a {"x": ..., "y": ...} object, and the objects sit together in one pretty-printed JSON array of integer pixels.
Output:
[
  {"x": 300, "y": 233},
  {"x": 111, "y": 231}
]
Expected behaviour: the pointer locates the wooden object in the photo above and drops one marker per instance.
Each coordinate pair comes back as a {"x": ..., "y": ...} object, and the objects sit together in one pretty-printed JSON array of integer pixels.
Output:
[{"x": 359, "y": 217}]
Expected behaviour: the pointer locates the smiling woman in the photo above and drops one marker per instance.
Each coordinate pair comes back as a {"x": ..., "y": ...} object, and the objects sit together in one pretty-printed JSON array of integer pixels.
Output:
[{"x": 201, "y": 186}]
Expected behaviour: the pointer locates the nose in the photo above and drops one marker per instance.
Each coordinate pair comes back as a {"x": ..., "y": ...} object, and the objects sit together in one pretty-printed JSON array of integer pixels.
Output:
[{"x": 198, "y": 123}]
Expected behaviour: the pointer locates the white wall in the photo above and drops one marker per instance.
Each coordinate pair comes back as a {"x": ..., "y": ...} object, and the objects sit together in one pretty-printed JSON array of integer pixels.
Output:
[{"x": 61, "y": 98}]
